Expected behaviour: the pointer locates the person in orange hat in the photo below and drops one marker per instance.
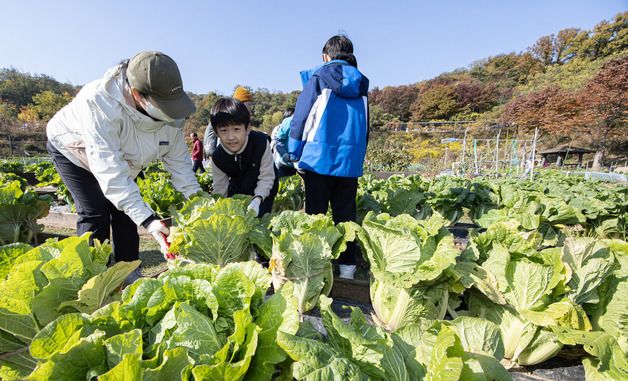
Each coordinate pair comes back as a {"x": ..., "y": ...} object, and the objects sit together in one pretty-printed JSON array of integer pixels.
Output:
[
  {"x": 243, "y": 95},
  {"x": 210, "y": 141}
]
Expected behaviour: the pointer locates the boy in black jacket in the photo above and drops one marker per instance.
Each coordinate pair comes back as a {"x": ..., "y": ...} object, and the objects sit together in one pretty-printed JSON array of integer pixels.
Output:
[{"x": 242, "y": 163}]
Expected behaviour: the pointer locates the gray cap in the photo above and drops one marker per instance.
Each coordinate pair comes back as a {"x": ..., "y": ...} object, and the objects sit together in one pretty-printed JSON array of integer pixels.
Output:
[{"x": 157, "y": 76}]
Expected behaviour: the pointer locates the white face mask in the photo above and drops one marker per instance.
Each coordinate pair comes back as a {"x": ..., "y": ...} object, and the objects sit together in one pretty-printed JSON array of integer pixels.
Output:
[{"x": 156, "y": 113}]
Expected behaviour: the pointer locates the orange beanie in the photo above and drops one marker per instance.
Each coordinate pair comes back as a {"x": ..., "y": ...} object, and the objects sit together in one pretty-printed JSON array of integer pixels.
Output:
[{"x": 242, "y": 94}]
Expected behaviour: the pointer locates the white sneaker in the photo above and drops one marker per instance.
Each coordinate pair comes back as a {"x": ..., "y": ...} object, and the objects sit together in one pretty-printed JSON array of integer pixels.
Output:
[{"x": 347, "y": 271}]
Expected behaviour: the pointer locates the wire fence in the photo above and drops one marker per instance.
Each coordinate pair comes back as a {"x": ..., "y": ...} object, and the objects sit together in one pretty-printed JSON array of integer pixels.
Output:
[{"x": 468, "y": 148}]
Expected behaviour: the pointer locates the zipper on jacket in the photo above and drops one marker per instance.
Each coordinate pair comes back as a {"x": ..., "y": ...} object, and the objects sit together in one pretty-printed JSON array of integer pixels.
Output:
[{"x": 239, "y": 162}]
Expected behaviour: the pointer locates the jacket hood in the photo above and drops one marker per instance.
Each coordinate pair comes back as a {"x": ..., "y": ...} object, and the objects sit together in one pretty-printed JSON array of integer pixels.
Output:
[{"x": 342, "y": 78}]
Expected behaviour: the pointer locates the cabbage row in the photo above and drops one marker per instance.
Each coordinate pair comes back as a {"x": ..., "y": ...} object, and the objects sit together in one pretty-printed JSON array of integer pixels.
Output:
[
  {"x": 538, "y": 277},
  {"x": 205, "y": 322},
  {"x": 439, "y": 313},
  {"x": 20, "y": 209},
  {"x": 553, "y": 204}
]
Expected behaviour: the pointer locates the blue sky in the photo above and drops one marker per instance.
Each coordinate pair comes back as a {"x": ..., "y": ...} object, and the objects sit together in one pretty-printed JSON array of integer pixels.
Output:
[{"x": 264, "y": 44}]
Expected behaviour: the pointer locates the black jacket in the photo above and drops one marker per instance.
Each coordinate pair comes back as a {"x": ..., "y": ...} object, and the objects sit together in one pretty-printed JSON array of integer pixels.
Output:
[{"x": 243, "y": 169}]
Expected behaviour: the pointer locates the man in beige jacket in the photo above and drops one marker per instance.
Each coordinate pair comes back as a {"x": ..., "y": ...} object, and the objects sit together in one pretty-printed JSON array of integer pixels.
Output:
[{"x": 113, "y": 128}]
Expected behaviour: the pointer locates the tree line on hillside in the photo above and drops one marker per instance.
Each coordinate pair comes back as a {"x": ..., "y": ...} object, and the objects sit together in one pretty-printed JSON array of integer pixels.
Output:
[
  {"x": 571, "y": 85},
  {"x": 26, "y": 97}
]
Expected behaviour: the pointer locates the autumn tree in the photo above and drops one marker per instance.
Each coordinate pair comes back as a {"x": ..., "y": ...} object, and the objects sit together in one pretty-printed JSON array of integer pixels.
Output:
[
  {"x": 200, "y": 119},
  {"x": 607, "y": 38},
  {"x": 387, "y": 152},
  {"x": 596, "y": 114},
  {"x": 558, "y": 49},
  {"x": 28, "y": 115},
  {"x": 475, "y": 97},
  {"x": 271, "y": 120},
  {"x": 395, "y": 101},
  {"x": 8, "y": 112},
  {"x": 505, "y": 72},
  {"x": 605, "y": 107},
  {"x": 18, "y": 88},
  {"x": 551, "y": 109},
  {"x": 567, "y": 43},
  {"x": 47, "y": 103},
  {"x": 543, "y": 50},
  {"x": 437, "y": 102},
  {"x": 378, "y": 118}
]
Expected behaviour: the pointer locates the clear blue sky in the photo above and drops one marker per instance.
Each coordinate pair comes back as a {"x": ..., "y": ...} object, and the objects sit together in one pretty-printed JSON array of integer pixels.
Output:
[{"x": 264, "y": 44}]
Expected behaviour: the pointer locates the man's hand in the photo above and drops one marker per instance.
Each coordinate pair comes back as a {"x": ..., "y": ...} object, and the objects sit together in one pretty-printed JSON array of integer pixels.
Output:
[{"x": 160, "y": 232}]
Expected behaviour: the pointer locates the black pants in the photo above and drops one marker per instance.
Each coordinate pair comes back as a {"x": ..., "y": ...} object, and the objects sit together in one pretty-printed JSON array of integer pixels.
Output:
[
  {"x": 96, "y": 213},
  {"x": 340, "y": 192},
  {"x": 198, "y": 165},
  {"x": 266, "y": 206},
  {"x": 284, "y": 171}
]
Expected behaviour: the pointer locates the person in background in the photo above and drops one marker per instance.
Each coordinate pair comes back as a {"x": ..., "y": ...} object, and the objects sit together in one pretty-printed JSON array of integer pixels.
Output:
[
  {"x": 114, "y": 127},
  {"x": 242, "y": 162},
  {"x": 328, "y": 137},
  {"x": 197, "y": 153},
  {"x": 210, "y": 141},
  {"x": 279, "y": 146}
]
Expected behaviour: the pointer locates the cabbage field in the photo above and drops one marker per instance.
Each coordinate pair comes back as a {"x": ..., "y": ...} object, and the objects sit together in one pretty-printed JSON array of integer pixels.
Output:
[{"x": 541, "y": 271}]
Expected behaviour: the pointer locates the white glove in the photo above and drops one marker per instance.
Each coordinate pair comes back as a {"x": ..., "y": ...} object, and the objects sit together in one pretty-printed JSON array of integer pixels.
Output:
[
  {"x": 254, "y": 205},
  {"x": 160, "y": 232}
]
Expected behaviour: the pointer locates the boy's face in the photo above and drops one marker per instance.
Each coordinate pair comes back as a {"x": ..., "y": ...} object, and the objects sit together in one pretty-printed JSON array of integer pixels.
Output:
[{"x": 232, "y": 137}]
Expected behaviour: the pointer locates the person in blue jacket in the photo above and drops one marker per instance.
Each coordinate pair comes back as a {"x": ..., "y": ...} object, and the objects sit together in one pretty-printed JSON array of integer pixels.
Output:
[
  {"x": 328, "y": 137},
  {"x": 279, "y": 145}
]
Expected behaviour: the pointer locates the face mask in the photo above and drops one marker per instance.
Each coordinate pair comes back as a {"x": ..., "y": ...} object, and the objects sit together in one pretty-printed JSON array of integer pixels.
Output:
[{"x": 156, "y": 113}]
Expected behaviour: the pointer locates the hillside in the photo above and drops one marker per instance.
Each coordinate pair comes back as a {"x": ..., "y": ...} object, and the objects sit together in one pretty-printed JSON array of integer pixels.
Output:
[{"x": 571, "y": 85}]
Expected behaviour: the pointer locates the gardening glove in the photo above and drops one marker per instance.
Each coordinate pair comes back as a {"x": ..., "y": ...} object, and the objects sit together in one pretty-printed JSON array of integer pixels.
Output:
[
  {"x": 160, "y": 232},
  {"x": 254, "y": 205},
  {"x": 289, "y": 158}
]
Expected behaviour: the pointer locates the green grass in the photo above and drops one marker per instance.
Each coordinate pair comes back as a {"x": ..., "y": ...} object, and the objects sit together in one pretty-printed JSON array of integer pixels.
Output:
[{"x": 153, "y": 262}]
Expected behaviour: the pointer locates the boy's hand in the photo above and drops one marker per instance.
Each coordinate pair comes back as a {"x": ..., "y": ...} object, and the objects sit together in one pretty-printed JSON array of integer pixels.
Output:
[{"x": 255, "y": 203}]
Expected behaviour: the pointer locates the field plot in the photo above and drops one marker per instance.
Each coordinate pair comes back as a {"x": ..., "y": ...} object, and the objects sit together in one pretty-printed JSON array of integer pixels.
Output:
[{"x": 459, "y": 278}]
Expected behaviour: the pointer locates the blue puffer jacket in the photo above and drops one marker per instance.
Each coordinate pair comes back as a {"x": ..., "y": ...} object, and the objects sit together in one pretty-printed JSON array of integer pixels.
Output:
[{"x": 329, "y": 130}]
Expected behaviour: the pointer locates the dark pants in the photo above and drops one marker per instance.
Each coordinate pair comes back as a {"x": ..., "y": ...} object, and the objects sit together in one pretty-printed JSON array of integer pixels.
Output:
[
  {"x": 96, "y": 213},
  {"x": 267, "y": 205},
  {"x": 284, "y": 171},
  {"x": 340, "y": 192},
  {"x": 198, "y": 164}
]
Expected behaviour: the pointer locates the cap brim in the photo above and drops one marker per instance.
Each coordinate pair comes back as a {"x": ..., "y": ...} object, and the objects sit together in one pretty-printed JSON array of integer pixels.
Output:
[{"x": 178, "y": 107}]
